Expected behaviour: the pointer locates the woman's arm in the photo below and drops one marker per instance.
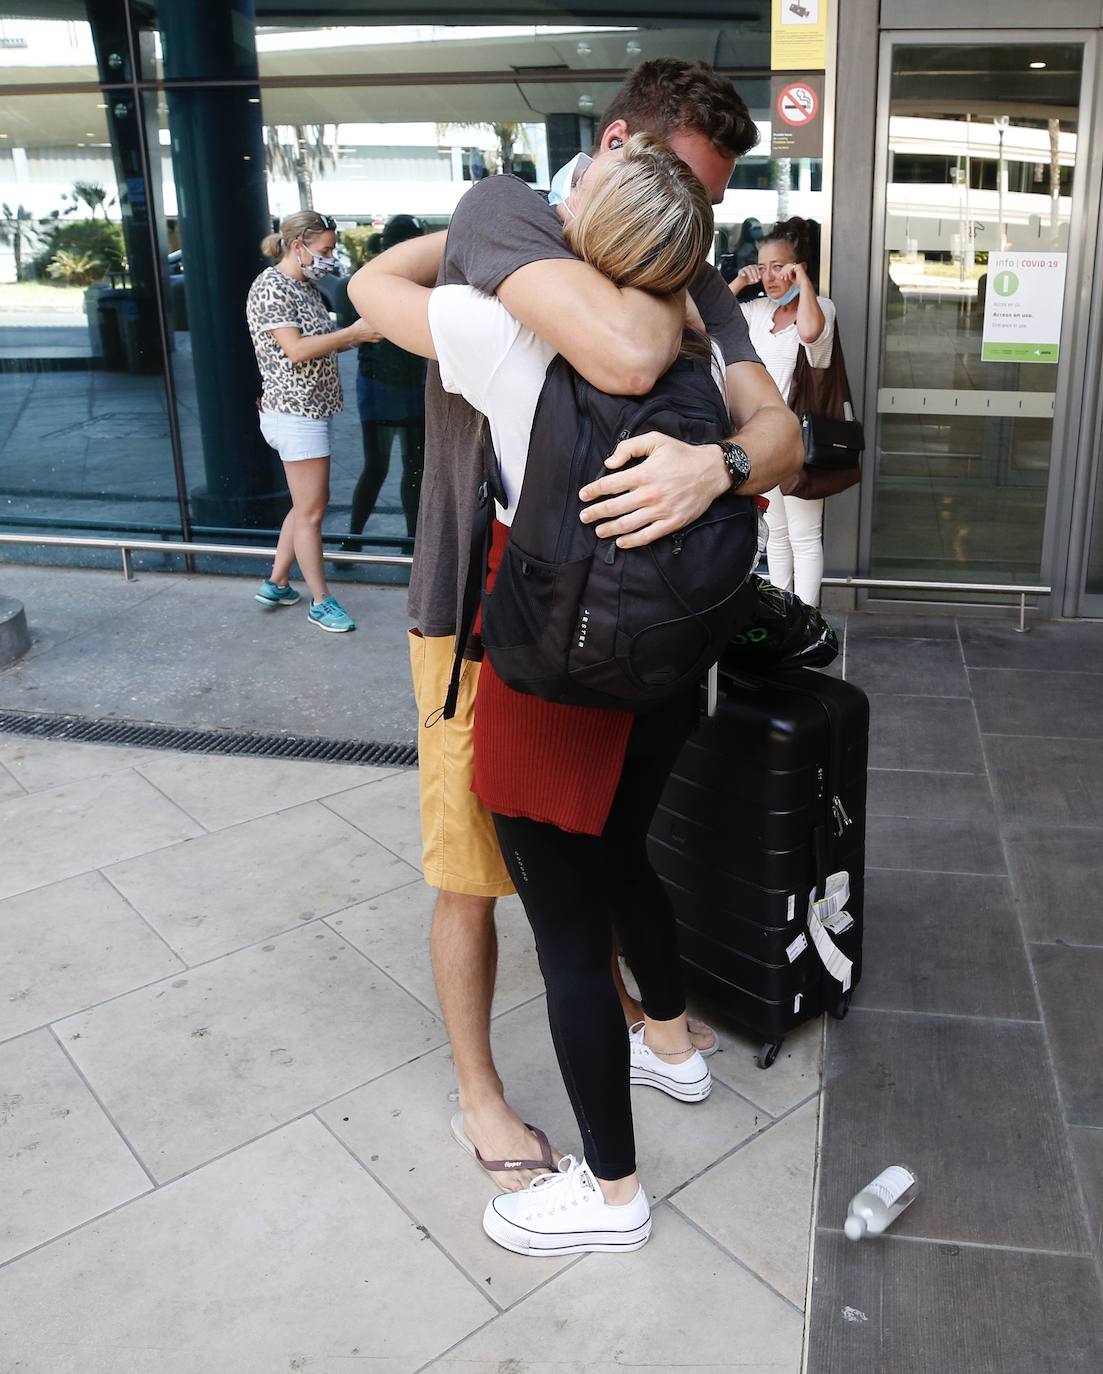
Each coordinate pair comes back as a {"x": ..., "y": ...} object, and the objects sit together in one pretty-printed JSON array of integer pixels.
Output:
[
  {"x": 300, "y": 348},
  {"x": 810, "y": 319},
  {"x": 392, "y": 292}
]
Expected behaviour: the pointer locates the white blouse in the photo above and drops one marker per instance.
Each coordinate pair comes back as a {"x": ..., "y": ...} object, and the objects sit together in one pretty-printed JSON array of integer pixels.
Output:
[{"x": 779, "y": 351}]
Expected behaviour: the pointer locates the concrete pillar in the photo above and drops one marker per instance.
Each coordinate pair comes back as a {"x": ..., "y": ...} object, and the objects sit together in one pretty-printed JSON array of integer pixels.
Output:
[
  {"x": 15, "y": 638},
  {"x": 218, "y": 164}
]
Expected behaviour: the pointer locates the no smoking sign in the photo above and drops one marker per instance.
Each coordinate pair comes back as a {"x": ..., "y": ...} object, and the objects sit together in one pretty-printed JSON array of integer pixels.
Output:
[
  {"x": 796, "y": 129},
  {"x": 797, "y": 104}
]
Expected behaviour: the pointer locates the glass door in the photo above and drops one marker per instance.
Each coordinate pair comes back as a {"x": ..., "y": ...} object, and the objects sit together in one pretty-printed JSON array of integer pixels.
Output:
[{"x": 977, "y": 221}]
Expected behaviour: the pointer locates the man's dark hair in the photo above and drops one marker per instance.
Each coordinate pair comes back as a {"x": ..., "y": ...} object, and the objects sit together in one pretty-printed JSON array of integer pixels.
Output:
[{"x": 670, "y": 95}]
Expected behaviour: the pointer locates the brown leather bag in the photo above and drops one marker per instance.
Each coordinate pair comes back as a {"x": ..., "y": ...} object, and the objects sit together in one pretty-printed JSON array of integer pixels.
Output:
[{"x": 821, "y": 394}]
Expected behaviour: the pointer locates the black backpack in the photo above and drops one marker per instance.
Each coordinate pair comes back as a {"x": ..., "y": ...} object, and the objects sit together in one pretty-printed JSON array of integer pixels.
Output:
[{"x": 573, "y": 618}]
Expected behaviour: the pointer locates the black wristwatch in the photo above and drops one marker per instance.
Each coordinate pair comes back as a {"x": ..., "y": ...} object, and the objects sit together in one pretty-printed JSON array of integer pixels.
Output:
[{"x": 736, "y": 462}]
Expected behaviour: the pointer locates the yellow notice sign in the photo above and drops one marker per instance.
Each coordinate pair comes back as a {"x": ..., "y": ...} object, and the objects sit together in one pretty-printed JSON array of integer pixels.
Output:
[{"x": 798, "y": 35}]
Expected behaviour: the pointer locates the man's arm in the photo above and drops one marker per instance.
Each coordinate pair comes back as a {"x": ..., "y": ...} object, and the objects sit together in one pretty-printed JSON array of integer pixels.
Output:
[
  {"x": 676, "y": 482},
  {"x": 621, "y": 340}
]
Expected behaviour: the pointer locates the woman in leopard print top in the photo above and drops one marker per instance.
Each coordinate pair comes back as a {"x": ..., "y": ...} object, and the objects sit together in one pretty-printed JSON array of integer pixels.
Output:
[{"x": 296, "y": 345}]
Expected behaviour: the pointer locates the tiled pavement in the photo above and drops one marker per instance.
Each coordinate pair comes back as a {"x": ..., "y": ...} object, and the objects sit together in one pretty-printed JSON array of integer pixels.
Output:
[
  {"x": 224, "y": 1085},
  {"x": 975, "y": 1045},
  {"x": 225, "y": 1093}
]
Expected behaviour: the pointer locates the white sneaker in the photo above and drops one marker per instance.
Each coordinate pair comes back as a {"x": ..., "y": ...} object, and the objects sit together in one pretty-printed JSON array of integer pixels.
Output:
[
  {"x": 689, "y": 1081},
  {"x": 565, "y": 1213}
]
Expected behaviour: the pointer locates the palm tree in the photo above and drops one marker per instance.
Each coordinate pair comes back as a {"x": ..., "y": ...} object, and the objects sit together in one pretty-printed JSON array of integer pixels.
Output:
[
  {"x": 17, "y": 228},
  {"x": 92, "y": 194},
  {"x": 506, "y": 134},
  {"x": 299, "y": 153}
]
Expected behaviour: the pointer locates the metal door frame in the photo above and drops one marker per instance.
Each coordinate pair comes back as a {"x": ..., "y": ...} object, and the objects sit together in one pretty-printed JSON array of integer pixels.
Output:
[{"x": 1071, "y": 469}]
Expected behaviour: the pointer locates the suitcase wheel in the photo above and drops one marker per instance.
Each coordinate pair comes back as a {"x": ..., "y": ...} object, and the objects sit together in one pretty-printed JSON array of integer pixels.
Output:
[
  {"x": 841, "y": 1006},
  {"x": 767, "y": 1054}
]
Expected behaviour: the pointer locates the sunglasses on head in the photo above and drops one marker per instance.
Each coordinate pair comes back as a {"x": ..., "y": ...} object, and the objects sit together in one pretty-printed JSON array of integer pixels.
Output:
[{"x": 327, "y": 222}]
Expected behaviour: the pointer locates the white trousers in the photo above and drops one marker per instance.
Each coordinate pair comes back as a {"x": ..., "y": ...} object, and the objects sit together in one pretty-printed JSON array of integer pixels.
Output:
[{"x": 794, "y": 551}]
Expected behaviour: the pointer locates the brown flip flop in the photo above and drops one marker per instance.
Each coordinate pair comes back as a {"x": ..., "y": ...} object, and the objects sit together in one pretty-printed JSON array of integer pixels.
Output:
[{"x": 504, "y": 1166}]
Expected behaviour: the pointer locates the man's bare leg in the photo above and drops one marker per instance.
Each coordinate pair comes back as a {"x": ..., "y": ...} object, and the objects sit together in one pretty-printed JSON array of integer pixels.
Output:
[
  {"x": 701, "y": 1037},
  {"x": 465, "y": 963}
]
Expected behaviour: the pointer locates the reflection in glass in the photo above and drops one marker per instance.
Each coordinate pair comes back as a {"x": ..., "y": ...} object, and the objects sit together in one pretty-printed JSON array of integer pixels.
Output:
[
  {"x": 982, "y": 150},
  {"x": 85, "y": 438},
  {"x": 368, "y": 122}
]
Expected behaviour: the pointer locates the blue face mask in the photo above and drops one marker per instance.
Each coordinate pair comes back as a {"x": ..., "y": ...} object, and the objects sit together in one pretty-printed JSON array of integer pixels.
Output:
[
  {"x": 790, "y": 295},
  {"x": 567, "y": 178}
]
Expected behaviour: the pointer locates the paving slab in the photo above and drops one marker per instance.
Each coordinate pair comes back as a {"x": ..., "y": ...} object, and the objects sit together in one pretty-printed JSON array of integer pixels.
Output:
[
  {"x": 237, "y": 1047},
  {"x": 946, "y": 1095},
  {"x": 390, "y": 816},
  {"x": 1039, "y": 781},
  {"x": 84, "y": 825},
  {"x": 1069, "y": 982},
  {"x": 1014, "y": 703},
  {"x": 70, "y": 945},
  {"x": 41, "y": 763},
  {"x": 920, "y": 667},
  {"x": 915, "y": 1308},
  {"x": 236, "y": 886},
  {"x": 923, "y": 732},
  {"x": 944, "y": 943},
  {"x": 1058, "y": 876},
  {"x": 758, "y": 1202},
  {"x": 221, "y": 790},
  {"x": 792, "y": 1078},
  {"x": 393, "y": 930},
  {"x": 679, "y": 1303},
  {"x": 64, "y": 1162},
  {"x": 934, "y": 845},
  {"x": 285, "y": 1255}
]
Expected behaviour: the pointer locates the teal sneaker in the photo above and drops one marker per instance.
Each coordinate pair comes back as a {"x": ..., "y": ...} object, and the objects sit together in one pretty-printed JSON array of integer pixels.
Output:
[
  {"x": 330, "y": 615},
  {"x": 271, "y": 595}
]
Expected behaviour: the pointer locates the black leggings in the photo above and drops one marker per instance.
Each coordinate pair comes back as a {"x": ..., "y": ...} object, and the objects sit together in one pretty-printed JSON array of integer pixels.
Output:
[
  {"x": 377, "y": 440},
  {"x": 576, "y": 889}
]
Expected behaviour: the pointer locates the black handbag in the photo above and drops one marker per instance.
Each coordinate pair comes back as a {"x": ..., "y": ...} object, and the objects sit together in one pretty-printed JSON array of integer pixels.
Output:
[
  {"x": 832, "y": 443},
  {"x": 833, "y": 440}
]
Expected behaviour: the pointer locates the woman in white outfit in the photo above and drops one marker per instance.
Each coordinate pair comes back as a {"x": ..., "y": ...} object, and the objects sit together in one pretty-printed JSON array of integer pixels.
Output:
[{"x": 789, "y": 317}]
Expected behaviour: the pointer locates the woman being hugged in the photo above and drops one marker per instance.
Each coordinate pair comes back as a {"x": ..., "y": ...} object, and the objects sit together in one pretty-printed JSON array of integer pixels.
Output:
[
  {"x": 789, "y": 317},
  {"x": 572, "y": 789},
  {"x": 296, "y": 345}
]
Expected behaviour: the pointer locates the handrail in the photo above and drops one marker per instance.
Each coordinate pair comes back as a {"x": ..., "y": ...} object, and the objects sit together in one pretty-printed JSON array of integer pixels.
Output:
[{"x": 128, "y": 546}]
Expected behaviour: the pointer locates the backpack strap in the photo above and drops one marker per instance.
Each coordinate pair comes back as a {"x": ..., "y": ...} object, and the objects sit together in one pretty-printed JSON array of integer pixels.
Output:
[{"x": 477, "y": 559}]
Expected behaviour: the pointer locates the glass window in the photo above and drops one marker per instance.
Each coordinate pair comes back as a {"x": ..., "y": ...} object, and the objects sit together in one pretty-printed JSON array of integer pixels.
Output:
[
  {"x": 171, "y": 135},
  {"x": 85, "y": 442},
  {"x": 983, "y": 145}
]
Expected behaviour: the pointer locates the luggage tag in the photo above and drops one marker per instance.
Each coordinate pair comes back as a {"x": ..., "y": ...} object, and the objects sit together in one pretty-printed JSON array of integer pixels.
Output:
[
  {"x": 712, "y": 690},
  {"x": 830, "y": 907}
]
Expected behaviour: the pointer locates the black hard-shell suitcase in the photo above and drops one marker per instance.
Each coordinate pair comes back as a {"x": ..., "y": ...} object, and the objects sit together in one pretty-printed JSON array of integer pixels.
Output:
[{"x": 766, "y": 802}]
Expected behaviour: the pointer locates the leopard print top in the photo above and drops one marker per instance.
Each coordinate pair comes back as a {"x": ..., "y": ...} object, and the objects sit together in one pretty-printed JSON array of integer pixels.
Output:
[{"x": 311, "y": 388}]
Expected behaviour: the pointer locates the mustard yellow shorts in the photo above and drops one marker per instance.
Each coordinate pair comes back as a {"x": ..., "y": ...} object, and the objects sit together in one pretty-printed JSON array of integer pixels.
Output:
[{"x": 460, "y": 848}]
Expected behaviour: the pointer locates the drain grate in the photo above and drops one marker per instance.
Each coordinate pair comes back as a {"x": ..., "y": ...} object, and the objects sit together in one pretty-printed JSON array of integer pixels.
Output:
[{"x": 195, "y": 740}]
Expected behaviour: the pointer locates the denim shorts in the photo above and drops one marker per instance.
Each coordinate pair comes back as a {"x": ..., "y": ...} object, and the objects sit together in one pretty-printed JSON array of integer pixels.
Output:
[{"x": 295, "y": 437}]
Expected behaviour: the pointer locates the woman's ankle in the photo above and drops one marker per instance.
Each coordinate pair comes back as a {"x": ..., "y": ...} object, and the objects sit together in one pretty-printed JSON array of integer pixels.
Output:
[
  {"x": 669, "y": 1039},
  {"x": 619, "y": 1192}
]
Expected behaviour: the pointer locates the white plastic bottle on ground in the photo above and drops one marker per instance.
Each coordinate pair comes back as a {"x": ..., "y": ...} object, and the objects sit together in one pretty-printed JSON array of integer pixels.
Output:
[{"x": 880, "y": 1202}]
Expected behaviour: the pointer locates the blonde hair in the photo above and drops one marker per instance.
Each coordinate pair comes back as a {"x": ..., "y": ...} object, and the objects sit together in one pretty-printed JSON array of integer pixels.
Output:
[
  {"x": 301, "y": 224},
  {"x": 647, "y": 222}
]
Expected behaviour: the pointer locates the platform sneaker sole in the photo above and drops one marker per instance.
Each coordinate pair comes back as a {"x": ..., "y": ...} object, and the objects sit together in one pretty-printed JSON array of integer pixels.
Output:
[
  {"x": 696, "y": 1091},
  {"x": 538, "y": 1244}
]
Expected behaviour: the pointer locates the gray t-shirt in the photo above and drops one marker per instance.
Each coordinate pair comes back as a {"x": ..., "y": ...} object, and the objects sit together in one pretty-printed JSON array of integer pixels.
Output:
[{"x": 500, "y": 225}]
